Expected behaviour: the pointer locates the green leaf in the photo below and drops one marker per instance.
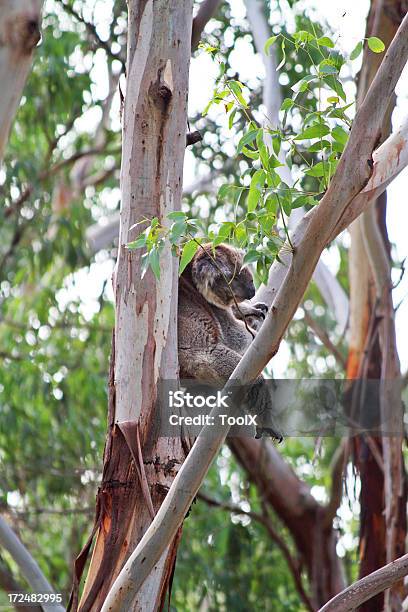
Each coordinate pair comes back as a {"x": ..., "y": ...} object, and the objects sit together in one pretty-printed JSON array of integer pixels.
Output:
[
  {"x": 224, "y": 190},
  {"x": 321, "y": 169},
  {"x": 376, "y": 44},
  {"x": 240, "y": 233},
  {"x": 314, "y": 131},
  {"x": 139, "y": 243},
  {"x": 269, "y": 43},
  {"x": 325, "y": 41},
  {"x": 258, "y": 179},
  {"x": 267, "y": 221},
  {"x": 276, "y": 144},
  {"x": 251, "y": 256},
  {"x": 287, "y": 104},
  {"x": 246, "y": 139},
  {"x": 178, "y": 229},
  {"x": 231, "y": 118},
  {"x": 235, "y": 86},
  {"x": 250, "y": 153},
  {"x": 282, "y": 63},
  {"x": 273, "y": 162},
  {"x": 335, "y": 84},
  {"x": 207, "y": 108},
  {"x": 226, "y": 229},
  {"x": 257, "y": 183},
  {"x": 286, "y": 204},
  {"x": 303, "y": 36},
  {"x": 154, "y": 261},
  {"x": 340, "y": 134},
  {"x": 253, "y": 199},
  {"x": 327, "y": 67},
  {"x": 320, "y": 145},
  {"x": 189, "y": 250},
  {"x": 356, "y": 51},
  {"x": 303, "y": 84},
  {"x": 299, "y": 202},
  {"x": 176, "y": 215},
  {"x": 271, "y": 204},
  {"x": 263, "y": 151}
]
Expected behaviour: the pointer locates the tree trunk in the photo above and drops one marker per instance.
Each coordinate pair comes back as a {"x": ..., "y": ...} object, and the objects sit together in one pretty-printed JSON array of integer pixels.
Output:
[
  {"x": 19, "y": 34},
  {"x": 365, "y": 355},
  {"x": 138, "y": 465}
]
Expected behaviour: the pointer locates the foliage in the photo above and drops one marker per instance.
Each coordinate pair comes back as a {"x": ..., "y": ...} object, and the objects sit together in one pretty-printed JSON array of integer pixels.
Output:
[{"x": 262, "y": 199}]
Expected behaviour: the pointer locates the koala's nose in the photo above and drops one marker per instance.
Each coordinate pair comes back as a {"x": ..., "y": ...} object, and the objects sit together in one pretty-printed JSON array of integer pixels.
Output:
[{"x": 250, "y": 292}]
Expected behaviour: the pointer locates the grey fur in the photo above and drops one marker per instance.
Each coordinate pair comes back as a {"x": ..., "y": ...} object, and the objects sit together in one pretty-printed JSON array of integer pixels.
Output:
[{"x": 212, "y": 335}]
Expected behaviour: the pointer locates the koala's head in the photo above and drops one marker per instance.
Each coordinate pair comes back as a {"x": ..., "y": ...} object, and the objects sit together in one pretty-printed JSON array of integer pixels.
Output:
[{"x": 218, "y": 280}]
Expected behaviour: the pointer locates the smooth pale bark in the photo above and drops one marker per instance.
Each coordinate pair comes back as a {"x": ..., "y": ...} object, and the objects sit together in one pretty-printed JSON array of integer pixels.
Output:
[
  {"x": 352, "y": 175},
  {"x": 28, "y": 567},
  {"x": 19, "y": 34},
  {"x": 142, "y": 464}
]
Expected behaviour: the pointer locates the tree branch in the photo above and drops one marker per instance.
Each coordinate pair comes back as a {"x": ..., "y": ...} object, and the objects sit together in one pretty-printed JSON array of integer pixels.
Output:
[
  {"x": 10, "y": 585},
  {"x": 27, "y": 565},
  {"x": 206, "y": 11},
  {"x": 324, "y": 339},
  {"x": 91, "y": 28},
  {"x": 19, "y": 35},
  {"x": 369, "y": 586},
  {"x": 337, "y": 470}
]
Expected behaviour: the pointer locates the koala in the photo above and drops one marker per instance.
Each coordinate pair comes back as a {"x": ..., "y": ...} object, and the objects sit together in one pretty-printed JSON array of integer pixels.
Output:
[{"x": 213, "y": 333}]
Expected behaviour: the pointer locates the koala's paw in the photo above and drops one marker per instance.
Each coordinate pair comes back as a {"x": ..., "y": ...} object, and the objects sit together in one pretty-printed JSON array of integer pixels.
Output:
[
  {"x": 268, "y": 431},
  {"x": 257, "y": 315},
  {"x": 262, "y": 307}
]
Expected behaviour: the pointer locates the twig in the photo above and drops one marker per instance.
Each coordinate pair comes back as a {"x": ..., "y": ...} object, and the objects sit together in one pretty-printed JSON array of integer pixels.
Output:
[
  {"x": 324, "y": 338},
  {"x": 337, "y": 471},
  {"x": 193, "y": 137},
  {"x": 93, "y": 32}
]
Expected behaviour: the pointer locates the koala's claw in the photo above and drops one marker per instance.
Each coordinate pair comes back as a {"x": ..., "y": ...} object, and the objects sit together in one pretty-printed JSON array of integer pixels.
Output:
[
  {"x": 262, "y": 307},
  {"x": 268, "y": 431}
]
